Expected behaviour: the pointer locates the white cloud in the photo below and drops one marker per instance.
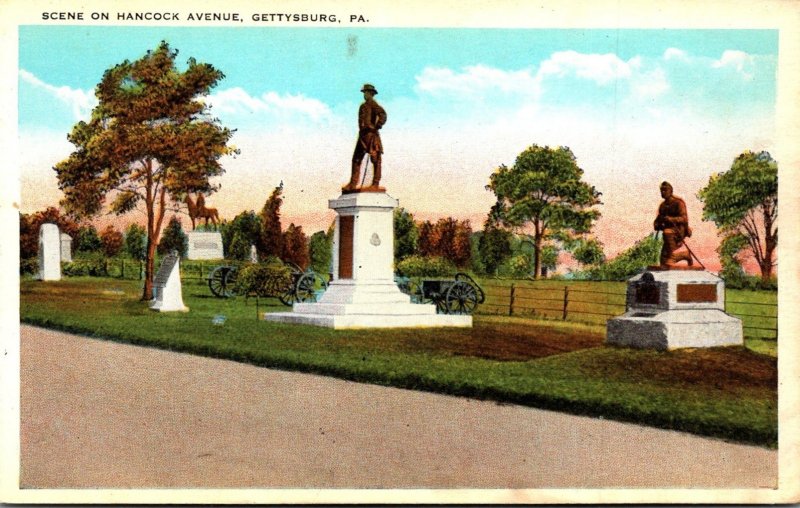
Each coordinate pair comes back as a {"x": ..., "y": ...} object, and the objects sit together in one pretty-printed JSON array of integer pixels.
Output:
[
  {"x": 476, "y": 80},
  {"x": 650, "y": 84},
  {"x": 738, "y": 60},
  {"x": 602, "y": 69},
  {"x": 675, "y": 54},
  {"x": 81, "y": 101},
  {"x": 238, "y": 101}
]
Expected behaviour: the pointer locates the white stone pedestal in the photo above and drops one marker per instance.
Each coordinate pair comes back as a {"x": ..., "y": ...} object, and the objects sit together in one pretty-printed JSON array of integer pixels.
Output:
[
  {"x": 363, "y": 293},
  {"x": 66, "y": 248},
  {"x": 671, "y": 309},
  {"x": 204, "y": 245},
  {"x": 167, "y": 291},
  {"x": 49, "y": 253}
]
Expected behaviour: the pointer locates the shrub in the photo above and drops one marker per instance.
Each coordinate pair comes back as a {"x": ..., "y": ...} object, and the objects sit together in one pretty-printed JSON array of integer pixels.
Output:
[
  {"x": 94, "y": 266},
  {"x": 29, "y": 265},
  {"x": 422, "y": 266},
  {"x": 263, "y": 279},
  {"x": 519, "y": 265}
]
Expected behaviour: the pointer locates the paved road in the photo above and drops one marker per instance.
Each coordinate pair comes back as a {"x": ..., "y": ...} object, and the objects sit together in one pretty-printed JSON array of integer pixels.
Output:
[{"x": 101, "y": 414}]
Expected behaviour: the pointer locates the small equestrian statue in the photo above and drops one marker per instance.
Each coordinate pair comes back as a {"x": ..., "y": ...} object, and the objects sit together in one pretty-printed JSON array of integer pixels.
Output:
[{"x": 199, "y": 211}]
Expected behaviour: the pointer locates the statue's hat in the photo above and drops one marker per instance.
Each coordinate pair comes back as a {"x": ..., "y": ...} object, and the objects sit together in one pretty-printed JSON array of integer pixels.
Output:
[{"x": 369, "y": 88}]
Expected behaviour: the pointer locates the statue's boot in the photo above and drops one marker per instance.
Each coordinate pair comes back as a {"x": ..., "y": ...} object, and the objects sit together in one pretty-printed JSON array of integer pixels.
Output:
[
  {"x": 376, "y": 177},
  {"x": 355, "y": 173}
]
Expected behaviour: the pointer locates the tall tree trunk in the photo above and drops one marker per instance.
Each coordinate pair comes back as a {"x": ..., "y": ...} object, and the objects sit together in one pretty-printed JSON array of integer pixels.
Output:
[
  {"x": 537, "y": 254},
  {"x": 770, "y": 243},
  {"x": 154, "y": 222}
]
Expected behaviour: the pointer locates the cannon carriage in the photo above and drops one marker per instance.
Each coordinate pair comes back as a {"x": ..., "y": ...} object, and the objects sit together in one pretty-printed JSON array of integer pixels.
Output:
[
  {"x": 457, "y": 295},
  {"x": 305, "y": 285}
]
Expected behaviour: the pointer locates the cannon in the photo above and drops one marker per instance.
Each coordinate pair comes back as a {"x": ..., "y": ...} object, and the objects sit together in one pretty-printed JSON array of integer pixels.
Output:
[
  {"x": 459, "y": 295},
  {"x": 304, "y": 285}
]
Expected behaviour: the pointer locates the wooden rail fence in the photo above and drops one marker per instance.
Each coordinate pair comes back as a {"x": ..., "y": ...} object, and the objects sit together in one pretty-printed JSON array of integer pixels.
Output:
[{"x": 596, "y": 302}]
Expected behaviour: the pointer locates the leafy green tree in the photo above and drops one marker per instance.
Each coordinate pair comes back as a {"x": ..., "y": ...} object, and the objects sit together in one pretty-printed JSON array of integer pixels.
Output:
[
  {"x": 645, "y": 252},
  {"x": 239, "y": 247},
  {"x": 149, "y": 140},
  {"x": 239, "y": 234},
  {"x": 744, "y": 201},
  {"x": 295, "y": 246},
  {"x": 136, "y": 242},
  {"x": 173, "y": 239},
  {"x": 729, "y": 256},
  {"x": 88, "y": 239},
  {"x": 112, "y": 241},
  {"x": 544, "y": 190},
  {"x": 405, "y": 234},
  {"x": 588, "y": 252},
  {"x": 494, "y": 247},
  {"x": 320, "y": 250},
  {"x": 448, "y": 238},
  {"x": 271, "y": 238}
]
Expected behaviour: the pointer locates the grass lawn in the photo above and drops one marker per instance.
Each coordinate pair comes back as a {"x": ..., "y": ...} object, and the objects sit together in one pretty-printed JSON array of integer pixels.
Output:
[{"x": 724, "y": 392}]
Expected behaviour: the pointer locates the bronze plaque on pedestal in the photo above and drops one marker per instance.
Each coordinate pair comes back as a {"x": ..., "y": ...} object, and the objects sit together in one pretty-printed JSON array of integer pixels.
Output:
[
  {"x": 346, "y": 246},
  {"x": 648, "y": 293},
  {"x": 697, "y": 293}
]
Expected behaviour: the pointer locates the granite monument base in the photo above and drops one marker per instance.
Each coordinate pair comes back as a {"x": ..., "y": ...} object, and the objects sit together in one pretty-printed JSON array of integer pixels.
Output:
[
  {"x": 204, "y": 245},
  {"x": 367, "y": 304},
  {"x": 363, "y": 293},
  {"x": 672, "y": 309}
]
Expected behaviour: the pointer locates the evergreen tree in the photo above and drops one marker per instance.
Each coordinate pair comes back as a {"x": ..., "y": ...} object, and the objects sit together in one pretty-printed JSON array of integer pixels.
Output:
[
  {"x": 295, "y": 246},
  {"x": 136, "y": 242},
  {"x": 239, "y": 234},
  {"x": 271, "y": 238},
  {"x": 173, "y": 239},
  {"x": 88, "y": 239}
]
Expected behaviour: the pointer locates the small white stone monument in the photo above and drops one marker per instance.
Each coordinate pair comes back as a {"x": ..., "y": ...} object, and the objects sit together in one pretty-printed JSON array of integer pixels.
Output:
[
  {"x": 204, "y": 245},
  {"x": 671, "y": 309},
  {"x": 66, "y": 248},
  {"x": 363, "y": 293},
  {"x": 253, "y": 254},
  {"x": 49, "y": 253},
  {"x": 167, "y": 293}
]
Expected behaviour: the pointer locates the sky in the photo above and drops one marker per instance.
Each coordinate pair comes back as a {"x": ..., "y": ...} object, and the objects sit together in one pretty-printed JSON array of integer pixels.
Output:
[{"x": 636, "y": 107}]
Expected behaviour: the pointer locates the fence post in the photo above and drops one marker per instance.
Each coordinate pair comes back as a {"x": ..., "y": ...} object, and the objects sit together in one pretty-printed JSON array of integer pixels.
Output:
[
  {"x": 511, "y": 300},
  {"x": 566, "y": 301},
  {"x": 200, "y": 267},
  {"x": 141, "y": 270}
]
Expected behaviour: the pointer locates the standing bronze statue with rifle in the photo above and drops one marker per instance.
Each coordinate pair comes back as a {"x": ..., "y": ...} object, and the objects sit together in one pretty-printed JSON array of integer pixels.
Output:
[{"x": 371, "y": 117}]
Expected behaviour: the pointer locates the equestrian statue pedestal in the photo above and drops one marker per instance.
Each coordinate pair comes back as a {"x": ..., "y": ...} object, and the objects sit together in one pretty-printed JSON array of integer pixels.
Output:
[{"x": 363, "y": 293}]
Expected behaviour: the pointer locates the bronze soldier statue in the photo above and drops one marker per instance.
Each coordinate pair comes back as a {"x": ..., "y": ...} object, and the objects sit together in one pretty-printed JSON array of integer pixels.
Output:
[
  {"x": 371, "y": 117},
  {"x": 673, "y": 221}
]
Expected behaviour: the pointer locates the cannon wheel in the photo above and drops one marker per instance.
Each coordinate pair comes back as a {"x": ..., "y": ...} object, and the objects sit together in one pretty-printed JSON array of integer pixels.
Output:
[
  {"x": 287, "y": 296},
  {"x": 307, "y": 284},
  {"x": 469, "y": 280},
  {"x": 221, "y": 281},
  {"x": 461, "y": 298}
]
